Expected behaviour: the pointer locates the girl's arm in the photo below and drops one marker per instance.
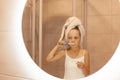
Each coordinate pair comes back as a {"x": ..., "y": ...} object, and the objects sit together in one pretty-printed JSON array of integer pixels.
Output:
[
  {"x": 55, "y": 54},
  {"x": 86, "y": 67}
]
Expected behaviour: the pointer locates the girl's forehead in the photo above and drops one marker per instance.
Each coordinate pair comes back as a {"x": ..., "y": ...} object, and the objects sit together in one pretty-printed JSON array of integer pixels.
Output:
[{"x": 74, "y": 32}]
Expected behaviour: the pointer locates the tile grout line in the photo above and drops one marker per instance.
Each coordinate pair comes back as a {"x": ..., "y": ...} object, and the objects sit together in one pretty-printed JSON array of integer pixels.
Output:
[{"x": 16, "y": 76}]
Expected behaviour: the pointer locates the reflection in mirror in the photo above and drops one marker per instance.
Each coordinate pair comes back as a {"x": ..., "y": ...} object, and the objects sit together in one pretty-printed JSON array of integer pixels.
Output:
[{"x": 100, "y": 38}]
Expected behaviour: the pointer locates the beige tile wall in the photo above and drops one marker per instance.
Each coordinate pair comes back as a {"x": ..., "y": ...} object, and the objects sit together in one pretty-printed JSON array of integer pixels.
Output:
[
  {"x": 98, "y": 24},
  {"x": 115, "y": 7},
  {"x": 10, "y": 65},
  {"x": 99, "y": 7},
  {"x": 103, "y": 31},
  {"x": 9, "y": 77}
]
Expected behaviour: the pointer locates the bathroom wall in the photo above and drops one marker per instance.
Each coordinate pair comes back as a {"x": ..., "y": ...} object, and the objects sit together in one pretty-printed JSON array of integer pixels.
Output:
[
  {"x": 15, "y": 62},
  {"x": 100, "y": 19},
  {"x": 55, "y": 13},
  {"x": 103, "y": 30}
]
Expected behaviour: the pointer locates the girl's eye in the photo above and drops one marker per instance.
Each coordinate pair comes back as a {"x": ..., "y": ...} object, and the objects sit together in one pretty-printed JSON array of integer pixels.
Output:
[
  {"x": 76, "y": 37},
  {"x": 69, "y": 38}
]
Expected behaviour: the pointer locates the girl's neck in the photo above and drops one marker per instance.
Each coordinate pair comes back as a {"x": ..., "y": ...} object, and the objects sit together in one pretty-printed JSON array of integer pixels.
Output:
[{"x": 75, "y": 50}]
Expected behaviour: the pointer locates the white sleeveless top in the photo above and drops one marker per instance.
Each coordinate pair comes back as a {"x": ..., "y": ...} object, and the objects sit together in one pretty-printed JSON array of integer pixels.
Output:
[{"x": 72, "y": 72}]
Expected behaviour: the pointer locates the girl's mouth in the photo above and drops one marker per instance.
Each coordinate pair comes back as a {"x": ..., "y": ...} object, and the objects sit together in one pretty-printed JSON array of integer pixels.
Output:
[{"x": 71, "y": 43}]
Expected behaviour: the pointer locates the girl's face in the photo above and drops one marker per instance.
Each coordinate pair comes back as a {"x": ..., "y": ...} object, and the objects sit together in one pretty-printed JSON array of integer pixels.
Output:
[{"x": 74, "y": 37}]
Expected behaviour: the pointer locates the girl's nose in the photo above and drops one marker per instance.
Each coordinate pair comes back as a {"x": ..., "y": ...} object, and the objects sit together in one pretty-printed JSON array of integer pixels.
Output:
[{"x": 73, "y": 40}]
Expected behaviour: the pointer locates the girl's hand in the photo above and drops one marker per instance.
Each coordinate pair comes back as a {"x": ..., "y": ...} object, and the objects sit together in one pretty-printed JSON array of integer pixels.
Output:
[
  {"x": 80, "y": 65},
  {"x": 63, "y": 44}
]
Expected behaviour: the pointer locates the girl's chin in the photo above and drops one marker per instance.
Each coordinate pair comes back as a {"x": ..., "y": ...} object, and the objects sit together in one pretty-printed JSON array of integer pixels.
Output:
[{"x": 73, "y": 46}]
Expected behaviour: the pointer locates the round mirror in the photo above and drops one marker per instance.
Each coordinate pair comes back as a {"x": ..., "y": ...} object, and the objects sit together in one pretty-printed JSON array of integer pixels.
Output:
[{"x": 43, "y": 22}]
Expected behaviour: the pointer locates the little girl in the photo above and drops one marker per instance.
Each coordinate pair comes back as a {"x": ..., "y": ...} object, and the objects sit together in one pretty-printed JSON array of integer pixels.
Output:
[{"x": 77, "y": 63}]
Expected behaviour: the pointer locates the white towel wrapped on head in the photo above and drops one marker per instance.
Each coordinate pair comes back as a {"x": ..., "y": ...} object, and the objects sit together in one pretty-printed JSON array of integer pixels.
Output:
[{"x": 71, "y": 23}]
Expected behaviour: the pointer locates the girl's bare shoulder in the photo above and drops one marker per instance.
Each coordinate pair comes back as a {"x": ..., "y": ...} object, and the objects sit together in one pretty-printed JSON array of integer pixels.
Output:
[{"x": 86, "y": 52}]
